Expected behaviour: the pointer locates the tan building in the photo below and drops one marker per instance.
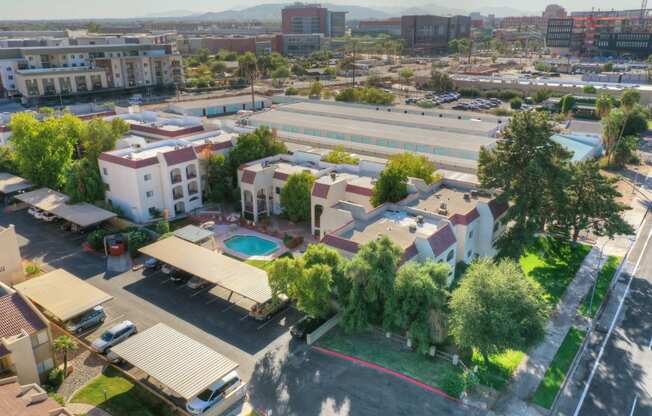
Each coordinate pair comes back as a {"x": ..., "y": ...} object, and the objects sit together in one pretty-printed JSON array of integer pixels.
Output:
[
  {"x": 27, "y": 399},
  {"x": 11, "y": 268},
  {"x": 25, "y": 339}
]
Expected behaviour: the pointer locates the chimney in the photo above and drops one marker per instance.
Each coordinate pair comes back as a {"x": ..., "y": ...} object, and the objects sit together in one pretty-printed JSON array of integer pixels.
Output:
[{"x": 333, "y": 176}]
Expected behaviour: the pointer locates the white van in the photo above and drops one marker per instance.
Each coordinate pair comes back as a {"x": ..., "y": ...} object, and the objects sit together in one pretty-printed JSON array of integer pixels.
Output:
[{"x": 215, "y": 393}]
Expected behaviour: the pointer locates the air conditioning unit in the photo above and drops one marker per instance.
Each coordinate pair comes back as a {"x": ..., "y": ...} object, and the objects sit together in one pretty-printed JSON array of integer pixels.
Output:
[{"x": 443, "y": 209}]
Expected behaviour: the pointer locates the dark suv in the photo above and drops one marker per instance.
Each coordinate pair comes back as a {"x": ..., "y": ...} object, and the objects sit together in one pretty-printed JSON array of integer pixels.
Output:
[{"x": 305, "y": 325}]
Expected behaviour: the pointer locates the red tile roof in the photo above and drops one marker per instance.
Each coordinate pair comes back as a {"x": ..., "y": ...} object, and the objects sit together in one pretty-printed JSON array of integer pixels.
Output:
[
  {"x": 281, "y": 176},
  {"x": 13, "y": 403},
  {"x": 17, "y": 315},
  {"x": 185, "y": 154},
  {"x": 341, "y": 243},
  {"x": 464, "y": 219},
  {"x": 320, "y": 190},
  {"x": 409, "y": 252},
  {"x": 248, "y": 176},
  {"x": 441, "y": 240},
  {"x": 354, "y": 189},
  {"x": 497, "y": 208},
  {"x": 130, "y": 163}
]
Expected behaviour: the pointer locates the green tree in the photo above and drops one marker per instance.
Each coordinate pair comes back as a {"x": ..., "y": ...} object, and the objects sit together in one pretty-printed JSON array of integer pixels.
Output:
[
  {"x": 265, "y": 65},
  {"x": 629, "y": 99},
  {"x": 8, "y": 160},
  {"x": 496, "y": 308},
  {"x": 589, "y": 89},
  {"x": 391, "y": 186},
  {"x": 589, "y": 203},
  {"x": 371, "y": 272},
  {"x": 566, "y": 104},
  {"x": 248, "y": 69},
  {"x": 321, "y": 254},
  {"x": 101, "y": 136},
  {"x": 621, "y": 123},
  {"x": 340, "y": 156},
  {"x": 203, "y": 55},
  {"x": 163, "y": 227},
  {"x": 527, "y": 167},
  {"x": 256, "y": 145},
  {"x": 315, "y": 89},
  {"x": 516, "y": 103},
  {"x": 440, "y": 81},
  {"x": 603, "y": 105},
  {"x": 218, "y": 68},
  {"x": 463, "y": 47},
  {"x": 83, "y": 182},
  {"x": 414, "y": 166},
  {"x": 43, "y": 150},
  {"x": 406, "y": 74},
  {"x": 418, "y": 303},
  {"x": 541, "y": 95},
  {"x": 64, "y": 344},
  {"x": 280, "y": 73},
  {"x": 219, "y": 182},
  {"x": 295, "y": 196}
]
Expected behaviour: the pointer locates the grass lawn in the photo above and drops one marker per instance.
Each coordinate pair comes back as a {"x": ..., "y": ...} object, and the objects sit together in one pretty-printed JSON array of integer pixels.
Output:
[
  {"x": 545, "y": 394},
  {"x": 500, "y": 369},
  {"x": 261, "y": 264},
  {"x": 604, "y": 280},
  {"x": 123, "y": 398},
  {"x": 375, "y": 348},
  {"x": 553, "y": 265}
]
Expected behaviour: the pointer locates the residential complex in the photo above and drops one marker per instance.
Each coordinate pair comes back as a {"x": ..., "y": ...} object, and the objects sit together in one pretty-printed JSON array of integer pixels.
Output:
[
  {"x": 308, "y": 19},
  {"x": 25, "y": 339},
  {"x": 50, "y": 71},
  {"x": 429, "y": 33},
  {"x": 27, "y": 399},
  {"x": 447, "y": 221},
  {"x": 164, "y": 176}
]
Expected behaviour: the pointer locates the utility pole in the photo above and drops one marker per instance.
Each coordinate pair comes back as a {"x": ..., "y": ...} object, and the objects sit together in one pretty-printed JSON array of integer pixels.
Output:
[{"x": 353, "y": 64}]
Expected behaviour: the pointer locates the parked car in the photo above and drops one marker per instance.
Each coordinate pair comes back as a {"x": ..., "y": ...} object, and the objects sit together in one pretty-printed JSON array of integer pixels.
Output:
[
  {"x": 136, "y": 99},
  {"x": 47, "y": 217},
  {"x": 167, "y": 269},
  {"x": 265, "y": 311},
  {"x": 152, "y": 264},
  {"x": 196, "y": 283},
  {"x": 114, "y": 336},
  {"x": 95, "y": 316},
  {"x": 180, "y": 277},
  {"x": 215, "y": 393},
  {"x": 304, "y": 326},
  {"x": 34, "y": 212}
]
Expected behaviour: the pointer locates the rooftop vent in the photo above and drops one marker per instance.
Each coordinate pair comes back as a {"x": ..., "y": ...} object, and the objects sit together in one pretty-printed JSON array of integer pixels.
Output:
[
  {"x": 413, "y": 228},
  {"x": 474, "y": 194},
  {"x": 443, "y": 209},
  {"x": 333, "y": 175},
  {"x": 467, "y": 197},
  {"x": 420, "y": 219}
]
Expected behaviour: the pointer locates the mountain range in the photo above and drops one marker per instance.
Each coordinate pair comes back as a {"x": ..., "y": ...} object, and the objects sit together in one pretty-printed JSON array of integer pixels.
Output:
[{"x": 272, "y": 12}]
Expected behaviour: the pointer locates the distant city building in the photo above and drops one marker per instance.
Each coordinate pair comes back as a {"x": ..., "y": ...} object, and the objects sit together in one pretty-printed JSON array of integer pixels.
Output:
[
  {"x": 554, "y": 11},
  {"x": 302, "y": 44},
  {"x": 431, "y": 33},
  {"x": 611, "y": 32},
  {"x": 300, "y": 18},
  {"x": 235, "y": 43},
  {"x": 391, "y": 26}
]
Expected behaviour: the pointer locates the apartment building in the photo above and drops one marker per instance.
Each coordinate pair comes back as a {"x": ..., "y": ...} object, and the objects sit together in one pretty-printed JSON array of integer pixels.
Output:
[
  {"x": 162, "y": 176},
  {"x": 34, "y": 72},
  {"x": 25, "y": 339},
  {"x": 300, "y": 18},
  {"x": 17, "y": 399},
  {"x": 446, "y": 221},
  {"x": 430, "y": 33}
]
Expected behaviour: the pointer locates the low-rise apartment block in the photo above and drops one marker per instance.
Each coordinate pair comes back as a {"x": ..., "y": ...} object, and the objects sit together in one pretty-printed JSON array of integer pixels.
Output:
[
  {"x": 25, "y": 339},
  {"x": 162, "y": 176},
  {"x": 36, "y": 72},
  {"x": 19, "y": 399}
]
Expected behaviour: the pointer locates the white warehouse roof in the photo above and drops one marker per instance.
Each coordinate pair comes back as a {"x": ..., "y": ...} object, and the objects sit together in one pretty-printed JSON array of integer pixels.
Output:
[{"x": 182, "y": 364}]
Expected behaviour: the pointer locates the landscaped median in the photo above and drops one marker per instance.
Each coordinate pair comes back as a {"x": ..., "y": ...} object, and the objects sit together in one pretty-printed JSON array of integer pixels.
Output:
[
  {"x": 606, "y": 275},
  {"x": 554, "y": 377},
  {"x": 119, "y": 396}
]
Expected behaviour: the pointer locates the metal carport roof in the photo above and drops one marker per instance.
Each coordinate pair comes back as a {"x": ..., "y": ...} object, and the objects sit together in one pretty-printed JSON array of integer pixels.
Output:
[
  {"x": 11, "y": 183},
  {"x": 56, "y": 203},
  {"x": 236, "y": 276},
  {"x": 62, "y": 294},
  {"x": 177, "y": 361}
]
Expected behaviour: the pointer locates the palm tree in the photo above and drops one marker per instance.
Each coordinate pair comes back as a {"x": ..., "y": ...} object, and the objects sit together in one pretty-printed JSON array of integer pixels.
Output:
[
  {"x": 248, "y": 68},
  {"x": 65, "y": 344},
  {"x": 603, "y": 105}
]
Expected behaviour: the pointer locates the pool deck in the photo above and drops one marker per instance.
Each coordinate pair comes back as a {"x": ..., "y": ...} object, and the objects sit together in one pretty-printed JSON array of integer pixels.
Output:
[{"x": 225, "y": 232}]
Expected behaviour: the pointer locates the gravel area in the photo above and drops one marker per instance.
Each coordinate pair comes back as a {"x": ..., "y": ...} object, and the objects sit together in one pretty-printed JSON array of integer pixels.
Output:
[{"x": 86, "y": 367}]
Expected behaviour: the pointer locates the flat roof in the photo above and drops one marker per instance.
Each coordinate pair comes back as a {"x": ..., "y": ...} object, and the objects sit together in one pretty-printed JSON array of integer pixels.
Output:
[
  {"x": 414, "y": 135},
  {"x": 62, "y": 294},
  {"x": 231, "y": 274},
  {"x": 56, "y": 203},
  {"x": 182, "y": 364},
  {"x": 193, "y": 234},
  {"x": 11, "y": 183},
  {"x": 454, "y": 199},
  {"x": 238, "y": 99},
  {"x": 447, "y": 122}
]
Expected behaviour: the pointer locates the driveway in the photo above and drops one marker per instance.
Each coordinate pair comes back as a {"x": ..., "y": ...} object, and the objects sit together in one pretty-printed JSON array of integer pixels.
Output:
[{"x": 286, "y": 377}]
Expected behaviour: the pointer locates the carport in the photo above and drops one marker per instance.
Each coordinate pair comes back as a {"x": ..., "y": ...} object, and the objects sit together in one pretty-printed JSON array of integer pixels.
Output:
[
  {"x": 11, "y": 185},
  {"x": 235, "y": 276},
  {"x": 80, "y": 215},
  {"x": 178, "y": 362},
  {"x": 62, "y": 295}
]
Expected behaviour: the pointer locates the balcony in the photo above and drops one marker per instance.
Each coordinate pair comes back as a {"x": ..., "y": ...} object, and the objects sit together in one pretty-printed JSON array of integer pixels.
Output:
[{"x": 175, "y": 178}]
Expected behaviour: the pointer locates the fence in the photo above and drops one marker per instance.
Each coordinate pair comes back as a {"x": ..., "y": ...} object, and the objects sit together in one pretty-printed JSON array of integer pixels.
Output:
[{"x": 312, "y": 337}]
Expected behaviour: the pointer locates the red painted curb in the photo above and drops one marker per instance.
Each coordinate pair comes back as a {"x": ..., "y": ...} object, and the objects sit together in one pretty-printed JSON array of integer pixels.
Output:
[{"x": 385, "y": 370}]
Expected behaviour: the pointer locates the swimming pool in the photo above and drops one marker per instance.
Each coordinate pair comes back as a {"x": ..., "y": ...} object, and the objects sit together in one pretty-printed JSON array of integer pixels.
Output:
[{"x": 251, "y": 245}]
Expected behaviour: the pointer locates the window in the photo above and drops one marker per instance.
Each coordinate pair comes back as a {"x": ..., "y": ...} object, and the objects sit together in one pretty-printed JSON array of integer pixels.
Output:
[
  {"x": 107, "y": 187},
  {"x": 149, "y": 194},
  {"x": 147, "y": 177},
  {"x": 496, "y": 226},
  {"x": 40, "y": 338},
  {"x": 470, "y": 234},
  {"x": 45, "y": 365},
  {"x": 104, "y": 171},
  {"x": 468, "y": 254},
  {"x": 278, "y": 190},
  {"x": 450, "y": 255}
]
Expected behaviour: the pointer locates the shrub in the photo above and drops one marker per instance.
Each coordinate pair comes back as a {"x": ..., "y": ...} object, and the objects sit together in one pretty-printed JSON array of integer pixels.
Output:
[
  {"x": 291, "y": 241},
  {"x": 515, "y": 103},
  {"x": 95, "y": 239},
  {"x": 32, "y": 269},
  {"x": 453, "y": 383},
  {"x": 589, "y": 89},
  {"x": 136, "y": 239},
  {"x": 58, "y": 398},
  {"x": 55, "y": 378},
  {"x": 163, "y": 227},
  {"x": 507, "y": 95},
  {"x": 501, "y": 112},
  {"x": 425, "y": 104},
  {"x": 470, "y": 92}
]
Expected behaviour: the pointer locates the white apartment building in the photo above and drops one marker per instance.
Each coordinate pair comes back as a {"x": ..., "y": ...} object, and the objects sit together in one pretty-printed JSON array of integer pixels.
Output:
[
  {"x": 49, "y": 71},
  {"x": 163, "y": 176}
]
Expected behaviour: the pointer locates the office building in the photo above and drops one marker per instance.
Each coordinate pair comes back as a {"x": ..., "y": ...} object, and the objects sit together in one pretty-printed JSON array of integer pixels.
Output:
[
  {"x": 391, "y": 26},
  {"x": 432, "y": 33},
  {"x": 300, "y": 18}
]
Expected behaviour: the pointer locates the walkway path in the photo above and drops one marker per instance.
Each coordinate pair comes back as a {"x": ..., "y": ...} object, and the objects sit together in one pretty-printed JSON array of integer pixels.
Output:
[{"x": 86, "y": 409}]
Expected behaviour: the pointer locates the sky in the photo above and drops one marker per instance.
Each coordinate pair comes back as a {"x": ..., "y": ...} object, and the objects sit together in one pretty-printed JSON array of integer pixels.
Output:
[{"x": 73, "y": 9}]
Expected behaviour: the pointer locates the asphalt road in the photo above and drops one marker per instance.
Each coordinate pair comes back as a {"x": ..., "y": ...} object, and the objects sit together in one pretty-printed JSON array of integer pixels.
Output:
[
  {"x": 622, "y": 381},
  {"x": 285, "y": 377}
]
